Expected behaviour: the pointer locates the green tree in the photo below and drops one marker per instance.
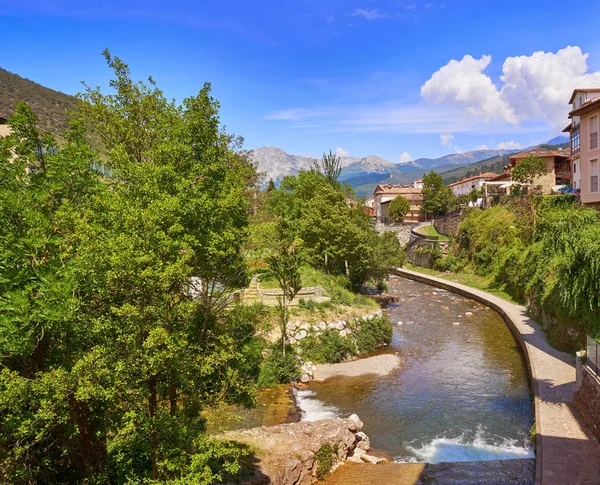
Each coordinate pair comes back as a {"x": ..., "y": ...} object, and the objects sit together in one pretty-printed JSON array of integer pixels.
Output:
[
  {"x": 398, "y": 208},
  {"x": 285, "y": 264},
  {"x": 271, "y": 186},
  {"x": 530, "y": 168},
  {"x": 438, "y": 199},
  {"x": 329, "y": 165},
  {"x": 113, "y": 331}
]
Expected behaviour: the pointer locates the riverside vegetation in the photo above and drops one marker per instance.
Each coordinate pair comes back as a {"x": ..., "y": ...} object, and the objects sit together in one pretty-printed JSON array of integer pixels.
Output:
[
  {"x": 116, "y": 328},
  {"x": 543, "y": 250}
]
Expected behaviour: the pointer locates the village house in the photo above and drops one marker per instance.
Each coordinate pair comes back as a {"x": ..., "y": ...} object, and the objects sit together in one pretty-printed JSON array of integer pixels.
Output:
[
  {"x": 558, "y": 167},
  {"x": 585, "y": 152},
  {"x": 385, "y": 193},
  {"x": 466, "y": 185}
]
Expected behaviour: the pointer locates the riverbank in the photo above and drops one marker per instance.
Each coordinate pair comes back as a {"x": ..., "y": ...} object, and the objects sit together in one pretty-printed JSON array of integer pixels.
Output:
[
  {"x": 565, "y": 451},
  {"x": 380, "y": 365}
]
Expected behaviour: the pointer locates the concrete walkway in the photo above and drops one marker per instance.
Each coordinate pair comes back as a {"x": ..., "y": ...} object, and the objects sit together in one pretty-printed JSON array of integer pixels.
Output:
[{"x": 566, "y": 453}]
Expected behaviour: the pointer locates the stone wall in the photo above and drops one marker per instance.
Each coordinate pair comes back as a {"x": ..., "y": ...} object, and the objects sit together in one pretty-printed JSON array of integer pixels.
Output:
[
  {"x": 401, "y": 230},
  {"x": 419, "y": 251},
  {"x": 448, "y": 226},
  {"x": 587, "y": 400},
  {"x": 285, "y": 454}
]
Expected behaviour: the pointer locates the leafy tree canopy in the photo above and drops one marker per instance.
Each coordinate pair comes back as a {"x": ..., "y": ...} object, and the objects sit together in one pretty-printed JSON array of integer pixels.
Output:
[
  {"x": 528, "y": 169},
  {"x": 398, "y": 208}
]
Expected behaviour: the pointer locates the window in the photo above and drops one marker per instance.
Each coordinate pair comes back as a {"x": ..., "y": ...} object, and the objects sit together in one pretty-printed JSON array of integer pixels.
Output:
[
  {"x": 593, "y": 133},
  {"x": 594, "y": 175},
  {"x": 575, "y": 141},
  {"x": 574, "y": 168}
]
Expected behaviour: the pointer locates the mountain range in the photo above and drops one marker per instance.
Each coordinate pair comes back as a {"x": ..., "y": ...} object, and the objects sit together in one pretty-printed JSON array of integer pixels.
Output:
[{"x": 362, "y": 173}]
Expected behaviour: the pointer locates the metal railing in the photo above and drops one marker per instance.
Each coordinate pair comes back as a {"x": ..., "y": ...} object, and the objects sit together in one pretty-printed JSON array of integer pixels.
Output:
[{"x": 593, "y": 355}]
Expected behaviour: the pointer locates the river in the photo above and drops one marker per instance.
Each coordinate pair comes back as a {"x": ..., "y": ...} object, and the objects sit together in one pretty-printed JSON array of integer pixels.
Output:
[{"x": 462, "y": 393}]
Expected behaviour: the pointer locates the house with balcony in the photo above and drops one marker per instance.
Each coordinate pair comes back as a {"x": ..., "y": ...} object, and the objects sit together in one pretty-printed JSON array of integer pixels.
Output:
[
  {"x": 385, "y": 193},
  {"x": 558, "y": 167},
  {"x": 585, "y": 150}
]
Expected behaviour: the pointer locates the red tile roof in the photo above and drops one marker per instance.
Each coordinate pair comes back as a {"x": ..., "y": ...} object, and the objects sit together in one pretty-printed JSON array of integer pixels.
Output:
[{"x": 488, "y": 175}]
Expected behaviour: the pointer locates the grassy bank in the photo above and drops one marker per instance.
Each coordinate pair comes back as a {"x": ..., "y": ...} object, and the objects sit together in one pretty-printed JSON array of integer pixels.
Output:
[
  {"x": 431, "y": 232},
  {"x": 469, "y": 279}
]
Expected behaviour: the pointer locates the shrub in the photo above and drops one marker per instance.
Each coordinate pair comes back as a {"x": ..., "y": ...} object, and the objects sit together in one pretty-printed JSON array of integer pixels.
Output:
[
  {"x": 449, "y": 263},
  {"x": 327, "y": 348},
  {"x": 382, "y": 286},
  {"x": 277, "y": 368},
  {"x": 372, "y": 333},
  {"x": 309, "y": 305},
  {"x": 325, "y": 459}
]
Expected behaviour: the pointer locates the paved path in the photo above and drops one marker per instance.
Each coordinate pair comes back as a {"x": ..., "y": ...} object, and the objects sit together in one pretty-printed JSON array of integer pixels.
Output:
[{"x": 566, "y": 453}]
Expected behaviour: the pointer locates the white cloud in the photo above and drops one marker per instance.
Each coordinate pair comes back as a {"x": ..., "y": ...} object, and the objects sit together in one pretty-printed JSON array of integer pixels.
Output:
[
  {"x": 509, "y": 145},
  {"x": 464, "y": 83},
  {"x": 372, "y": 14},
  {"x": 535, "y": 87},
  {"x": 445, "y": 139},
  {"x": 293, "y": 114},
  {"x": 340, "y": 152},
  {"x": 481, "y": 147},
  {"x": 405, "y": 157}
]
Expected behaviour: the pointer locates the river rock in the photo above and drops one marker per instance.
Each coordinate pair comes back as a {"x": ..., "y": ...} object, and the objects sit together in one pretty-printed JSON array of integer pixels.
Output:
[
  {"x": 285, "y": 453},
  {"x": 300, "y": 334},
  {"x": 468, "y": 314},
  {"x": 322, "y": 326},
  {"x": 456, "y": 323},
  {"x": 305, "y": 378},
  {"x": 363, "y": 441},
  {"x": 304, "y": 326}
]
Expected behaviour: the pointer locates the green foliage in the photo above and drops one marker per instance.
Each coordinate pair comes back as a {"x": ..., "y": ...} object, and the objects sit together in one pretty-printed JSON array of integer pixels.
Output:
[
  {"x": 329, "y": 166},
  {"x": 398, "y": 208},
  {"x": 528, "y": 169},
  {"x": 279, "y": 368},
  {"x": 325, "y": 457},
  {"x": 329, "y": 347},
  {"x": 546, "y": 252},
  {"x": 337, "y": 237},
  {"x": 449, "y": 263},
  {"x": 115, "y": 329},
  {"x": 372, "y": 333},
  {"x": 438, "y": 198}
]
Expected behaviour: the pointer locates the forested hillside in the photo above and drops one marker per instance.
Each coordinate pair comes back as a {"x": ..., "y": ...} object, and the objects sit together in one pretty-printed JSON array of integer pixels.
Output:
[{"x": 49, "y": 105}]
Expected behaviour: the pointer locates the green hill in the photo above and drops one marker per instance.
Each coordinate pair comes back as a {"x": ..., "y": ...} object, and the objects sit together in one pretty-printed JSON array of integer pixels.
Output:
[{"x": 49, "y": 105}]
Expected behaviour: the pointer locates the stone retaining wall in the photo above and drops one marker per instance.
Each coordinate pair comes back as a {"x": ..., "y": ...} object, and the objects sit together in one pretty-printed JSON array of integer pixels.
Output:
[
  {"x": 419, "y": 251},
  {"x": 401, "y": 230},
  {"x": 587, "y": 400},
  {"x": 448, "y": 226}
]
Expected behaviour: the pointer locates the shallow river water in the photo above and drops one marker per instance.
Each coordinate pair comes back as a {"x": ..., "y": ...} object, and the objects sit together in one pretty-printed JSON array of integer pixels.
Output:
[{"x": 462, "y": 393}]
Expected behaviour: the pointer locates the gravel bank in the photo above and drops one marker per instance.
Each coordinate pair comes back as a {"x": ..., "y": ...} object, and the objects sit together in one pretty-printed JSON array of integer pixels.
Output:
[{"x": 379, "y": 364}]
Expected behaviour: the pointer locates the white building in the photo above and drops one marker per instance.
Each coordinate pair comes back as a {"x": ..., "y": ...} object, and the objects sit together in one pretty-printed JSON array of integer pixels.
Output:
[{"x": 465, "y": 186}]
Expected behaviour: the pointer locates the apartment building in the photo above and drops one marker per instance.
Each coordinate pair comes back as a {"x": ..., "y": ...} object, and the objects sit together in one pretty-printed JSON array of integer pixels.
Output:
[{"x": 585, "y": 150}]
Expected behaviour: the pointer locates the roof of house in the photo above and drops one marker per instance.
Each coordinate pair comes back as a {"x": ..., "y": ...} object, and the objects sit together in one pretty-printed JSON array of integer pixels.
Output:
[
  {"x": 585, "y": 107},
  {"x": 500, "y": 176},
  {"x": 568, "y": 128},
  {"x": 396, "y": 189},
  {"x": 583, "y": 90},
  {"x": 487, "y": 175},
  {"x": 542, "y": 152}
]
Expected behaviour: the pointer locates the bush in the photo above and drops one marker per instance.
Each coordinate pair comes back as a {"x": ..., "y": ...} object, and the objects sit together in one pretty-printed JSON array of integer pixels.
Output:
[
  {"x": 449, "y": 263},
  {"x": 277, "y": 368},
  {"x": 325, "y": 459},
  {"x": 327, "y": 348},
  {"x": 382, "y": 286},
  {"x": 372, "y": 333},
  {"x": 309, "y": 305}
]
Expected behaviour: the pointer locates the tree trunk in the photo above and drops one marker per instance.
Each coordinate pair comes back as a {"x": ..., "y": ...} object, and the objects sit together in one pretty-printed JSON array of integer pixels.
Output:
[{"x": 152, "y": 405}]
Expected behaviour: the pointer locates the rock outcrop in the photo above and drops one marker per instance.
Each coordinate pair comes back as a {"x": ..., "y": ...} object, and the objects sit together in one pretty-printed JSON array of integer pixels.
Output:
[{"x": 286, "y": 453}]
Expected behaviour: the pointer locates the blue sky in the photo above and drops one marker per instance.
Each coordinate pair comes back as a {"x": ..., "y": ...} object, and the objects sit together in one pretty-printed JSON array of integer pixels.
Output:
[{"x": 388, "y": 78}]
